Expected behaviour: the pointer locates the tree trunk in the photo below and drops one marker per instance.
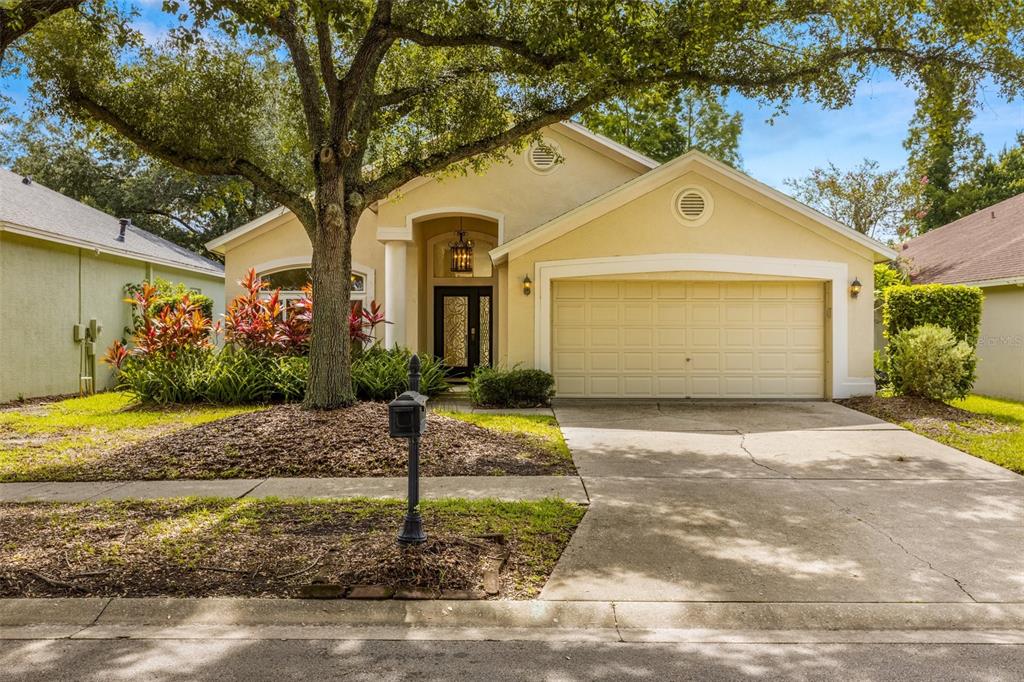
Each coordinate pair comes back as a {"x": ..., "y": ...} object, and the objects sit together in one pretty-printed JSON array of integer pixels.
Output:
[{"x": 330, "y": 370}]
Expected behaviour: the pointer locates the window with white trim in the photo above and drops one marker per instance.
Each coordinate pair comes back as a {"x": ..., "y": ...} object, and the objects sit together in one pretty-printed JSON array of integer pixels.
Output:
[{"x": 291, "y": 281}]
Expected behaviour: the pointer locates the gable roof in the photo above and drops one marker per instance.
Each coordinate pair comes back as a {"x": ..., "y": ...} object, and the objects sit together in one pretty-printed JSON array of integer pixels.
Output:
[
  {"x": 36, "y": 211},
  {"x": 623, "y": 194},
  {"x": 570, "y": 129},
  {"x": 985, "y": 246}
]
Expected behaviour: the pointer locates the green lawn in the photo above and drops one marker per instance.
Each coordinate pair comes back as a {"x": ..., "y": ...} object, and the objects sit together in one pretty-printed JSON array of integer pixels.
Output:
[
  {"x": 1005, "y": 448},
  {"x": 543, "y": 430},
  {"x": 45, "y": 441}
]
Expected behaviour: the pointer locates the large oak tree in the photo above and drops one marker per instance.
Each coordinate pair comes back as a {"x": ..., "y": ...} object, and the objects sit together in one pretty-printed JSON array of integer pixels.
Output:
[{"x": 425, "y": 86}]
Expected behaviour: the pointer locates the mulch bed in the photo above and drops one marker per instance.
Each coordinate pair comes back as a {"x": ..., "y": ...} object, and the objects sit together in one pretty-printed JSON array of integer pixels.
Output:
[
  {"x": 928, "y": 417},
  {"x": 261, "y": 549},
  {"x": 286, "y": 440}
]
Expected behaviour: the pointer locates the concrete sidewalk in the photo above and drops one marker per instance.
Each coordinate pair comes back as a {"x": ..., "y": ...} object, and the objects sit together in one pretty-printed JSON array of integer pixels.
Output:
[
  {"x": 509, "y": 488},
  {"x": 227, "y": 618}
]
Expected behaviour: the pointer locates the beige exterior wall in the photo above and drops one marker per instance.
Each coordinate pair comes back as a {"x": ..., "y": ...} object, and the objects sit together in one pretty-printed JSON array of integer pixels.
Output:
[
  {"x": 1001, "y": 344},
  {"x": 47, "y": 288},
  {"x": 743, "y": 223},
  {"x": 525, "y": 198}
]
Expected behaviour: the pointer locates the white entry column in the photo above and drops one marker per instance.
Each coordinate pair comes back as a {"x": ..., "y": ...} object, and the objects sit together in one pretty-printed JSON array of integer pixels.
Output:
[{"x": 394, "y": 292}]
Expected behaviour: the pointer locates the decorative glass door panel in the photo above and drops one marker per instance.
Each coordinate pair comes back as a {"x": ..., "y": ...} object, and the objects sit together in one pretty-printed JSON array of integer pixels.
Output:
[{"x": 463, "y": 320}]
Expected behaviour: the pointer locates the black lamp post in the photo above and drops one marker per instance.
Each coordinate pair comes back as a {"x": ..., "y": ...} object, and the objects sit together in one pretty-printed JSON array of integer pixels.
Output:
[{"x": 407, "y": 418}]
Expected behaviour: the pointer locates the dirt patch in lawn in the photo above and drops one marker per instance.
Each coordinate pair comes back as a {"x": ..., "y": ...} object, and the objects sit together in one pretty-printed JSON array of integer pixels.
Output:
[
  {"x": 271, "y": 548},
  {"x": 288, "y": 441},
  {"x": 927, "y": 417}
]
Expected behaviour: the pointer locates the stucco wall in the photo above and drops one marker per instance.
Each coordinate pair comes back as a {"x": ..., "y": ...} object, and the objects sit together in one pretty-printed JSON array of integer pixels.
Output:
[
  {"x": 1001, "y": 344},
  {"x": 46, "y": 289},
  {"x": 743, "y": 223},
  {"x": 525, "y": 198},
  {"x": 285, "y": 240}
]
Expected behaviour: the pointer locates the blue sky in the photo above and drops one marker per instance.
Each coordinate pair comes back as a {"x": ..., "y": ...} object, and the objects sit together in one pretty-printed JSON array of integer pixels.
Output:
[{"x": 806, "y": 137}]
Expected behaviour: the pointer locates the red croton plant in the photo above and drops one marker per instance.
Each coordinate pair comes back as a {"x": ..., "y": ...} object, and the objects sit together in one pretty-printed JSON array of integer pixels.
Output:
[
  {"x": 175, "y": 329},
  {"x": 257, "y": 320}
]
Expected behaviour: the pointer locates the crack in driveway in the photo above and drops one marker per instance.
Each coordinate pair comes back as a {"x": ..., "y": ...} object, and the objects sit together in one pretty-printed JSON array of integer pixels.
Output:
[{"x": 846, "y": 510}]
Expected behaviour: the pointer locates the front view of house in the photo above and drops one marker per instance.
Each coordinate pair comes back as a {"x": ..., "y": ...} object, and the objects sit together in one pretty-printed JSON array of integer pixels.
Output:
[{"x": 622, "y": 277}]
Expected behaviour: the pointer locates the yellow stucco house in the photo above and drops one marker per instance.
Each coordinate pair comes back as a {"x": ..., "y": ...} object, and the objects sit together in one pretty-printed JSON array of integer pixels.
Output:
[{"x": 622, "y": 277}]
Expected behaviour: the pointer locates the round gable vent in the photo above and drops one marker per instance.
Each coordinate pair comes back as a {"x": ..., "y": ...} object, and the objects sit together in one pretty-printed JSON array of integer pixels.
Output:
[
  {"x": 692, "y": 206},
  {"x": 543, "y": 157}
]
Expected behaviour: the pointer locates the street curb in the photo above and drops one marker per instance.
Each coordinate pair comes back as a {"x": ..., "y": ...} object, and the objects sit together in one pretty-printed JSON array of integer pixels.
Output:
[{"x": 231, "y": 618}]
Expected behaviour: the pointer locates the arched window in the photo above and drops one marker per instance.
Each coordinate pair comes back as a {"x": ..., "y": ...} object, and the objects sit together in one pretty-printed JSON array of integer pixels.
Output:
[{"x": 291, "y": 281}]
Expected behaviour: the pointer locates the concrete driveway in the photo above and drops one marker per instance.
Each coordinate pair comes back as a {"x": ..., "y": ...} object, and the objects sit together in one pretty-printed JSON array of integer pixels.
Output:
[{"x": 782, "y": 502}]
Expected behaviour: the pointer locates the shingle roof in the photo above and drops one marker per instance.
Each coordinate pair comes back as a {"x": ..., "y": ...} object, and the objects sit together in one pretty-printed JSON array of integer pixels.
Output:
[
  {"x": 52, "y": 216},
  {"x": 987, "y": 245}
]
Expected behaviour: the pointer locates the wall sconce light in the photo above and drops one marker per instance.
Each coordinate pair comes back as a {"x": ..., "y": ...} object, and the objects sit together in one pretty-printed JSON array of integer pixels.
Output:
[
  {"x": 855, "y": 288},
  {"x": 527, "y": 285}
]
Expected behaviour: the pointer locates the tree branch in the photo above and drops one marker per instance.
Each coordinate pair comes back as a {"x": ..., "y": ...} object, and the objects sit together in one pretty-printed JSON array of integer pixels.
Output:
[
  {"x": 479, "y": 39},
  {"x": 170, "y": 216},
  {"x": 295, "y": 201},
  {"x": 363, "y": 69},
  {"x": 18, "y": 19},
  {"x": 327, "y": 71},
  {"x": 286, "y": 28}
]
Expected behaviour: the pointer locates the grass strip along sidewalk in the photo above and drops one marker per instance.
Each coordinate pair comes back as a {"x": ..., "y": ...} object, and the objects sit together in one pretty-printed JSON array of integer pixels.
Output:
[{"x": 270, "y": 548}]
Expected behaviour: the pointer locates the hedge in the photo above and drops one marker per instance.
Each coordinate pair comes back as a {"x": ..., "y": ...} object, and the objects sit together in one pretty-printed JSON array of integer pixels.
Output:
[{"x": 955, "y": 307}]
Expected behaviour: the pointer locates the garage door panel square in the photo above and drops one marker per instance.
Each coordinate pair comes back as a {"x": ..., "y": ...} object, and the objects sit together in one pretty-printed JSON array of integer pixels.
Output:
[
  {"x": 772, "y": 362},
  {"x": 808, "y": 291},
  {"x": 603, "y": 313},
  {"x": 737, "y": 387},
  {"x": 739, "y": 290},
  {"x": 604, "y": 386},
  {"x": 772, "y": 387},
  {"x": 705, "y": 338},
  {"x": 570, "y": 386},
  {"x": 705, "y": 386},
  {"x": 705, "y": 362},
  {"x": 566, "y": 290},
  {"x": 772, "y": 290},
  {"x": 772, "y": 313},
  {"x": 700, "y": 290},
  {"x": 570, "y": 337},
  {"x": 773, "y": 337},
  {"x": 671, "y": 362},
  {"x": 566, "y": 361},
  {"x": 807, "y": 337},
  {"x": 739, "y": 361},
  {"x": 639, "y": 290},
  {"x": 604, "y": 290},
  {"x": 638, "y": 313},
  {"x": 604, "y": 337},
  {"x": 665, "y": 290},
  {"x": 671, "y": 338},
  {"x": 705, "y": 313},
  {"x": 570, "y": 313},
  {"x": 738, "y": 337},
  {"x": 806, "y": 362},
  {"x": 632, "y": 362},
  {"x": 806, "y": 387},
  {"x": 603, "y": 362},
  {"x": 805, "y": 313},
  {"x": 637, "y": 337},
  {"x": 673, "y": 387},
  {"x": 670, "y": 313},
  {"x": 742, "y": 313},
  {"x": 638, "y": 386}
]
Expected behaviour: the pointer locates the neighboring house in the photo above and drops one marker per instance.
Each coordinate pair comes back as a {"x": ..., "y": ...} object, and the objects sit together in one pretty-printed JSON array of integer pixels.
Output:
[
  {"x": 62, "y": 265},
  {"x": 621, "y": 277},
  {"x": 984, "y": 249}
]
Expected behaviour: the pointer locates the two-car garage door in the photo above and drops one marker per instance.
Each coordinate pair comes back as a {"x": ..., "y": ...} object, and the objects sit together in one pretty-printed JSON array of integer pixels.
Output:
[{"x": 696, "y": 339}]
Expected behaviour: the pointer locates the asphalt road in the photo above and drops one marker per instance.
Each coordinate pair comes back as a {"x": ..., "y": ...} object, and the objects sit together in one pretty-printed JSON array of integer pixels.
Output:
[{"x": 251, "y": 660}]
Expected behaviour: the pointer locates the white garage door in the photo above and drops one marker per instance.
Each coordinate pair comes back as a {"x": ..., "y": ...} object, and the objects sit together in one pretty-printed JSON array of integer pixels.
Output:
[{"x": 641, "y": 339}]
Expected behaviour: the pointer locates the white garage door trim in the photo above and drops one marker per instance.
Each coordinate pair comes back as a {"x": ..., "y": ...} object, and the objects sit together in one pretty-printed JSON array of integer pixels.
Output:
[{"x": 843, "y": 386}]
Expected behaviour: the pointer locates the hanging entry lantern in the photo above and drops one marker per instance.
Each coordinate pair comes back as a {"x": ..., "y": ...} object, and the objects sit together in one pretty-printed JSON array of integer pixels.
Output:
[{"x": 462, "y": 252}]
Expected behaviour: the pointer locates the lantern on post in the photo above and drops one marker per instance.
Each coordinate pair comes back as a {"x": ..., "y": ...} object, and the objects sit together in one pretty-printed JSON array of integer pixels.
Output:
[
  {"x": 462, "y": 252},
  {"x": 407, "y": 418}
]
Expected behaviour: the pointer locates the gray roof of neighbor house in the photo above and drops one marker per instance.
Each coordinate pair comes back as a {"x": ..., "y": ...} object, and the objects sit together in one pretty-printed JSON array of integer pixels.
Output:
[
  {"x": 37, "y": 211},
  {"x": 985, "y": 246}
]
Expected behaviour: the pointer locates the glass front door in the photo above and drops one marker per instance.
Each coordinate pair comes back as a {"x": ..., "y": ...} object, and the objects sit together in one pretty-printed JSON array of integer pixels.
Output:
[{"x": 463, "y": 318}]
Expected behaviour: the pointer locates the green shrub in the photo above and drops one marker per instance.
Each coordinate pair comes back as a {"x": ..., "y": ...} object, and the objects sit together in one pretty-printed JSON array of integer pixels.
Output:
[
  {"x": 167, "y": 294},
  {"x": 929, "y": 361},
  {"x": 887, "y": 275},
  {"x": 881, "y": 362},
  {"x": 382, "y": 374},
  {"x": 958, "y": 308},
  {"x": 496, "y": 387}
]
